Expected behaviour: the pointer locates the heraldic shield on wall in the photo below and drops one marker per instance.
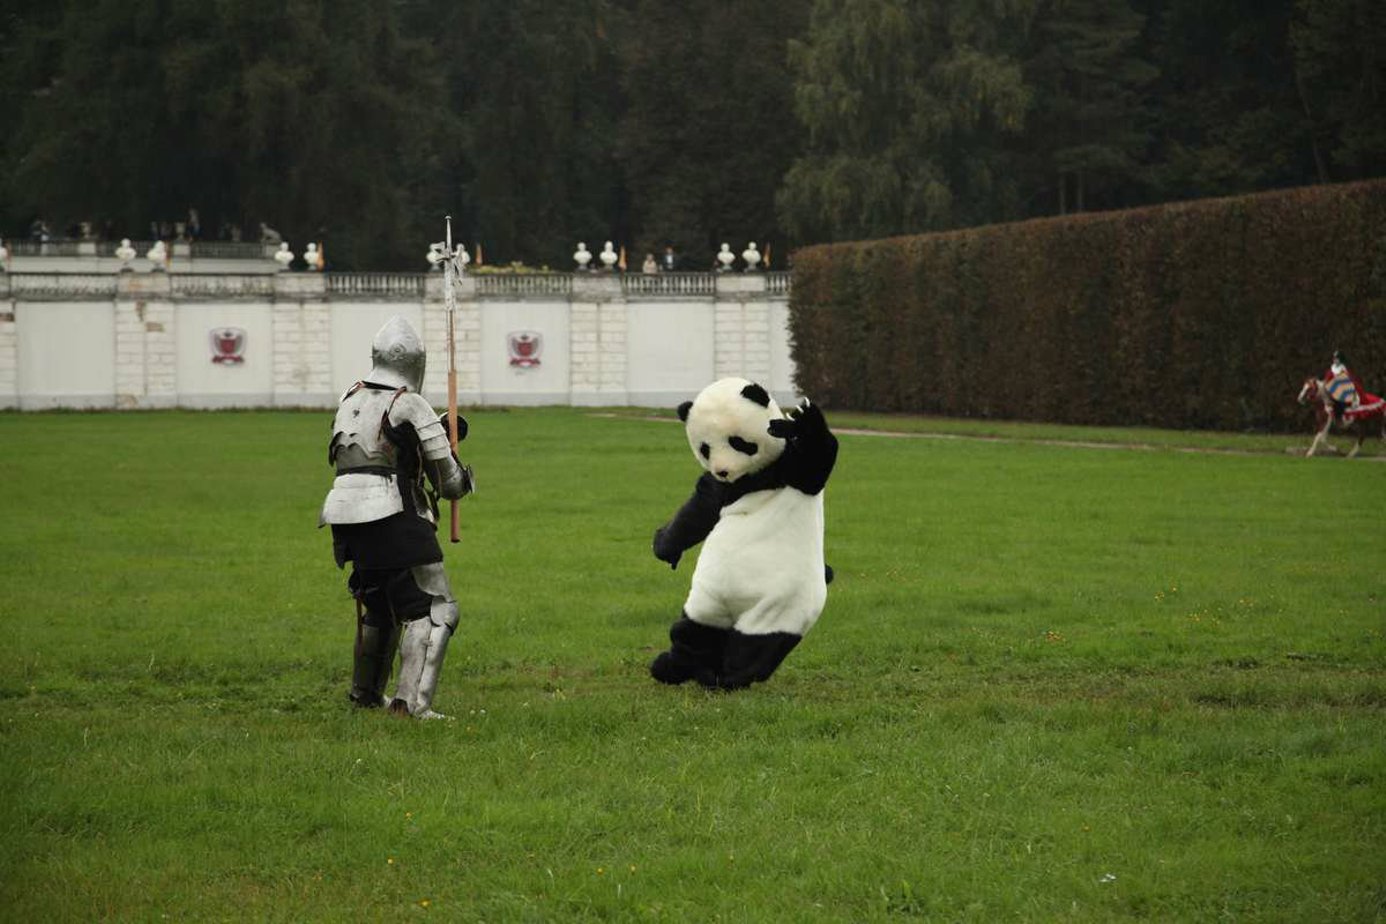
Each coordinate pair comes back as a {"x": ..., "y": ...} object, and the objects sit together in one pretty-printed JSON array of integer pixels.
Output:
[
  {"x": 525, "y": 346},
  {"x": 228, "y": 345}
]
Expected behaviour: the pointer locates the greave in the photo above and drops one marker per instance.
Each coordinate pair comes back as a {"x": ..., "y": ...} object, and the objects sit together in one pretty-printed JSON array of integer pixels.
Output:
[
  {"x": 375, "y": 652},
  {"x": 421, "y": 654}
]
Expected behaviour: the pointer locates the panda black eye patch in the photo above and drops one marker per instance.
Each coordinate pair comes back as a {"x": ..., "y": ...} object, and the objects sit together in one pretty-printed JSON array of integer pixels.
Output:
[
  {"x": 705, "y": 450},
  {"x": 746, "y": 446}
]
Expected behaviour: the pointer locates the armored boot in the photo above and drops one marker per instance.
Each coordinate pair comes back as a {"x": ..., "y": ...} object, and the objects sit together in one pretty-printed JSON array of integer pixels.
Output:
[
  {"x": 421, "y": 654},
  {"x": 423, "y": 645},
  {"x": 375, "y": 653}
]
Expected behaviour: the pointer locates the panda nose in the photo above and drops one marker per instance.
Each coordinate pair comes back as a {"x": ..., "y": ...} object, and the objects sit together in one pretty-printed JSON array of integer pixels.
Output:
[{"x": 722, "y": 473}]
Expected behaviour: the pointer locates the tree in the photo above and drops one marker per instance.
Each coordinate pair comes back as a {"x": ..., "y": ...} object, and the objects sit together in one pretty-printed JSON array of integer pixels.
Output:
[
  {"x": 908, "y": 109},
  {"x": 319, "y": 118},
  {"x": 533, "y": 87},
  {"x": 709, "y": 127},
  {"x": 1085, "y": 135},
  {"x": 1225, "y": 111},
  {"x": 1339, "y": 50}
]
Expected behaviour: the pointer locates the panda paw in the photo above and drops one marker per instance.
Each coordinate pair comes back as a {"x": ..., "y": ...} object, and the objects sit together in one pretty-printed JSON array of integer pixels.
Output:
[
  {"x": 805, "y": 418},
  {"x": 667, "y": 669},
  {"x": 663, "y": 551}
]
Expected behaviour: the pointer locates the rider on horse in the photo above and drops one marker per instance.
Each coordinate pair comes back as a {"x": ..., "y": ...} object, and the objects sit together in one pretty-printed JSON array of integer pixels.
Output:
[{"x": 1350, "y": 399}]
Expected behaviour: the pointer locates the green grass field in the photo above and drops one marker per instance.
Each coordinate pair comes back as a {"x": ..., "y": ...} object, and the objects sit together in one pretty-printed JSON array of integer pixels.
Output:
[{"x": 1051, "y": 683}]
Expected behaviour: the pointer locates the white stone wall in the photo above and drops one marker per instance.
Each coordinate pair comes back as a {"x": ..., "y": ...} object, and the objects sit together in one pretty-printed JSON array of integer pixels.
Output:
[
  {"x": 301, "y": 321},
  {"x": 598, "y": 342},
  {"x": 146, "y": 354},
  {"x": 66, "y": 354},
  {"x": 143, "y": 340},
  {"x": 9, "y": 359}
]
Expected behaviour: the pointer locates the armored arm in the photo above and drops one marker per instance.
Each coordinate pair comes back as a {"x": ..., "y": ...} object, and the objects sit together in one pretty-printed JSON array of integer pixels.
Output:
[
  {"x": 691, "y": 524},
  {"x": 448, "y": 478},
  {"x": 811, "y": 452}
]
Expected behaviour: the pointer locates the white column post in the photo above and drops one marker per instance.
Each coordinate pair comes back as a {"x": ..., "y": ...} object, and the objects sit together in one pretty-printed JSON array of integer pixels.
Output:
[
  {"x": 597, "y": 328},
  {"x": 146, "y": 365},
  {"x": 301, "y": 320}
]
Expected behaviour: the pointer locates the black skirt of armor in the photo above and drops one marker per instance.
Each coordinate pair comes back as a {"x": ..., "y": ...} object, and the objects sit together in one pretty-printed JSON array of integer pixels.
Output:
[{"x": 399, "y": 541}]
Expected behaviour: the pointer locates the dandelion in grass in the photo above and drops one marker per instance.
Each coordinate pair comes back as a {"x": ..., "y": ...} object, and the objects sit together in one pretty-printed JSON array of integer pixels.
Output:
[
  {"x": 389, "y": 861},
  {"x": 424, "y": 902}
]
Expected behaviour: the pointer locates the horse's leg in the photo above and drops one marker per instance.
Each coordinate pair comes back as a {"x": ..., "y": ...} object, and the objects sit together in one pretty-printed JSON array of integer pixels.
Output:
[
  {"x": 1358, "y": 433},
  {"x": 1319, "y": 438}
]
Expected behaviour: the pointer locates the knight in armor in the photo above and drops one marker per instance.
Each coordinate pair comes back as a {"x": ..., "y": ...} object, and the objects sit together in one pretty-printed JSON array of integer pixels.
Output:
[{"x": 393, "y": 461}]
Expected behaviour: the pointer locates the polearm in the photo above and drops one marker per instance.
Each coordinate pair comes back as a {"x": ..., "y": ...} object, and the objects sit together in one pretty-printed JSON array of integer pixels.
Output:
[{"x": 450, "y": 266}]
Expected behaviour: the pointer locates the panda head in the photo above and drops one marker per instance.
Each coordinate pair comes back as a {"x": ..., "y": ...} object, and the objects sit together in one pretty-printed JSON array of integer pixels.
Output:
[{"x": 728, "y": 428}]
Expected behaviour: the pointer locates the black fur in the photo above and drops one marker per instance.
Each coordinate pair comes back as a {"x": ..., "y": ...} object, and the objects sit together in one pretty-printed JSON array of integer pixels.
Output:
[
  {"x": 720, "y": 659},
  {"x": 695, "y": 653},
  {"x": 811, "y": 452},
  {"x": 753, "y": 658},
  {"x": 754, "y": 392},
  {"x": 684, "y": 409},
  {"x": 743, "y": 446}
]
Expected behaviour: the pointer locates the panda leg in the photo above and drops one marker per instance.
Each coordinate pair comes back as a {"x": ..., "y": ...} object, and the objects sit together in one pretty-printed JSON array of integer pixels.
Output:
[
  {"x": 695, "y": 653},
  {"x": 752, "y": 658}
]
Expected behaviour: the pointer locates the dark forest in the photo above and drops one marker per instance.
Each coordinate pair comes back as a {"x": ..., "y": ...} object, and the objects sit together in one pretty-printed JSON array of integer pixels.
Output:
[{"x": 788, "y": 122}]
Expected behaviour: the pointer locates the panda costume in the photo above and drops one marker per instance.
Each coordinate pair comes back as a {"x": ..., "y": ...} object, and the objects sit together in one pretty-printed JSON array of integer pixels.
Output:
[{"x": 760, "y": 582}]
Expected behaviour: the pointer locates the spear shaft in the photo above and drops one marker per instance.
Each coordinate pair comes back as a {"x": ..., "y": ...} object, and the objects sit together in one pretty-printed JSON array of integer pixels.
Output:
[{"x": 450, "y": 306}]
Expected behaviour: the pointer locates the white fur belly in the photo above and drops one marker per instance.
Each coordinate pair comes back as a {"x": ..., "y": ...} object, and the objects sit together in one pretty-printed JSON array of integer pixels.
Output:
[{"x": 761, "y": 568}]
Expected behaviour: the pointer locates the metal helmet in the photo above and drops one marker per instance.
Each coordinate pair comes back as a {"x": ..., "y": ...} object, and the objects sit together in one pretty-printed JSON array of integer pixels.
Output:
[{"x": 398, "y": 355}]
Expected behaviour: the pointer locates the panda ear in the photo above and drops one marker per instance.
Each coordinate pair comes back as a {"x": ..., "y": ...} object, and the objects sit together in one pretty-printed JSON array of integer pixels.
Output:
[
  {"x": 754, "y": 392},
  {"x": 684, "y": 409}
]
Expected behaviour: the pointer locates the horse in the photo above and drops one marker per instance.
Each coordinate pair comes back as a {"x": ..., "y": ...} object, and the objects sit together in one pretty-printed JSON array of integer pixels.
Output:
[{"x": 1356, "y": 422}]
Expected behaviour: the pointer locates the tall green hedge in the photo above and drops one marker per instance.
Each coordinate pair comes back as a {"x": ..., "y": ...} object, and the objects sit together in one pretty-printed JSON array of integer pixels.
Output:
[{"x": 1205, "y": 314}]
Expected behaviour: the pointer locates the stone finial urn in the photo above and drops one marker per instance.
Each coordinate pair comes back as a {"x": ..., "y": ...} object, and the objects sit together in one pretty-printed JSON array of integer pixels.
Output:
[
  {"x": 725, "y": 259},
  {"x": 283, "y": 256},
  {"x": 582, "y": 256},
  {"x": 125, "y": 253},
  {"x": 752, "y": 257},
  {"x": 157, "y": 256},
  {"x": 608, "y": 257}
]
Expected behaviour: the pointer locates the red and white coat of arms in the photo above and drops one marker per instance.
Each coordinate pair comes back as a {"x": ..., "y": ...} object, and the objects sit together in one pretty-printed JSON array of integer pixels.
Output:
[
  {"x": 525, "y": 346},
  {"x": 228, "y": 345}
]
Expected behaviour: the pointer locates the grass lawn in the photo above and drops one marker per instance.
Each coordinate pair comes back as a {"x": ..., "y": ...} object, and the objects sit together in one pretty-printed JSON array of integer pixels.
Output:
[{"x": 1051, "y": 683}]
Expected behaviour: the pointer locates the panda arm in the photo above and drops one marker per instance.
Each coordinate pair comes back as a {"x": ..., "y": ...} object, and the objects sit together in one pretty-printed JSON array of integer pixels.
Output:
[
  {"x": 811, "y": 451},
  {"x": 691, "y": 524}
]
